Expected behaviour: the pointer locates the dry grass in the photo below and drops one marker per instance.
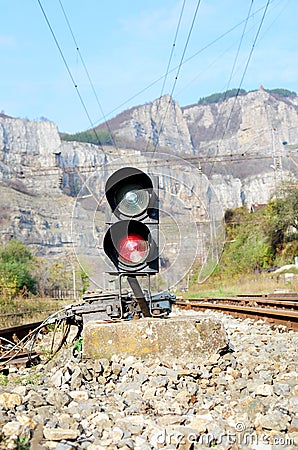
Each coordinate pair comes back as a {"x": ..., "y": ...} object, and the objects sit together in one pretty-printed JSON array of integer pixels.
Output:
[
  {"x": 20, "y": 311},
  {"x": 246, "y": 284}
]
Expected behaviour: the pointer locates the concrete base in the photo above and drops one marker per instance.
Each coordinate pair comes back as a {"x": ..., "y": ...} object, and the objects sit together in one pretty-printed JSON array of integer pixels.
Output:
[{"x": 187, "y": 339}]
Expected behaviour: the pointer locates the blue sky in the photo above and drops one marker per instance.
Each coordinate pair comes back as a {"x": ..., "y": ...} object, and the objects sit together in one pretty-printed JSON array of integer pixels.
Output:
[{"x": 126, "y": 46}]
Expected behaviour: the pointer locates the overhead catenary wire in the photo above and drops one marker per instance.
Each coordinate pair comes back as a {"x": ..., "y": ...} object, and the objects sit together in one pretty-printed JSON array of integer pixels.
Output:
[
  {"x": 173, "y": 48},
  {"x": 167, "y": 72},
  {"x": 164, "y": 162},
  {"x": 186, "y": 60},
  {"x": 69, "y": 72},
  {"x": 243, "y": 75},
  {"x": 274, "y": 4},
  {"x": 177, "y": 73},
  {"x": 170, "y": 60},
  {"x": 88, "y": 76},
  {"x": 86, "y": 70},
  {"x": 234, "y": 65},
  {"x": 72, "y": 78}
]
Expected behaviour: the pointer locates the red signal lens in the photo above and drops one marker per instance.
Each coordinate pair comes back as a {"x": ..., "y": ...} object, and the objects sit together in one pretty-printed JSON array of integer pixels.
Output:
[{"x": 133, "y": 249}]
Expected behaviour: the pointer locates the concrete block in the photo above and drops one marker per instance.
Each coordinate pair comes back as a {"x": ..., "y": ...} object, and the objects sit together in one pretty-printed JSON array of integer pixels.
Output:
[{"x": 185, "y": 338}]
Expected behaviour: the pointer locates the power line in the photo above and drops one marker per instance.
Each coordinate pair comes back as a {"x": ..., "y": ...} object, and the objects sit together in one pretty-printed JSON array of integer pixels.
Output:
[
  {"x": 178, "y": 71},
  {"x": 244, "y": 72},
  {"x": 169, "y": 62},
  {"x": 234, "y": 64},
  {"x": 248, "y": 60},
  {"x": 173, "y": 47},
  {"x": 184, "y": 62},
  {"x": 69, "y": 72},
  {"x": 87, "y": 74},
  {"x": 161, "y": 162}
]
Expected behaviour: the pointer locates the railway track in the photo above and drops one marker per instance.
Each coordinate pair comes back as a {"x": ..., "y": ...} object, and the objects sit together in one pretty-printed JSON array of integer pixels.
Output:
[
  {"x": 275, "y": 308},
  {"x": 12, "y": 349},
  {"x": 18, "y": 332}
]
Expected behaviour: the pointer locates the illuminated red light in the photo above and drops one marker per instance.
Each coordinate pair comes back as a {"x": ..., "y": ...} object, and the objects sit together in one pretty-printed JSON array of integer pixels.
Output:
[{"x": 133, "y": 248}]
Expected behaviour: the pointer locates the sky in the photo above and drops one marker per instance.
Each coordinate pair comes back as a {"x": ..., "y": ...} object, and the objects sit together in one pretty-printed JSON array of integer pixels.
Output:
[{"x": 79, "y": 63}]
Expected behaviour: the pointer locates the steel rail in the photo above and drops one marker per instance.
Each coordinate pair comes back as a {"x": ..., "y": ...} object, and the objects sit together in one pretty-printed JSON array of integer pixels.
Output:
[
  {"x": 254, "y": 301},
  {"x": 285, "y": 316},
  {"x": 19, "y": 331}
]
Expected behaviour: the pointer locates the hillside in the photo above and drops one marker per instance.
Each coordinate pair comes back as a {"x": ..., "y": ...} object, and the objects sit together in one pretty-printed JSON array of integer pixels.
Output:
[
  {"x": 53, "y": 190},
  {"x": 257, "y": 125}
]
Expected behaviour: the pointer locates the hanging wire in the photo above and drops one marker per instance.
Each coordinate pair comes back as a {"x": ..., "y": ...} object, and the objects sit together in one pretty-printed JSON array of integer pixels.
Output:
[
  {"x": 153, "y": 83},
  {"x": 234, "y": 65},
  {"x": 169, "y": 62},
  {"x": 173, "y": 48},
  {"x": 242, "y": 78},
  {"x": 88, "y": 76},
  {"x": 70, "y": 73},
  {"x": 177, "y": 75}
]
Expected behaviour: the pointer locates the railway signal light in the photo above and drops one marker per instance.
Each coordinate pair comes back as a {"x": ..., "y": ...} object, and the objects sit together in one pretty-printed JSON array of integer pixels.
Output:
[{"x": 131, "y": 240}]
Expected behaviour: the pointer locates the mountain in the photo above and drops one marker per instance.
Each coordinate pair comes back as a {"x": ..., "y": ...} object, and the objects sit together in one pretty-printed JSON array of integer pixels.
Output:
[
  {"x": 242, "y": 147},
  {"x": 255, "y": 126}
]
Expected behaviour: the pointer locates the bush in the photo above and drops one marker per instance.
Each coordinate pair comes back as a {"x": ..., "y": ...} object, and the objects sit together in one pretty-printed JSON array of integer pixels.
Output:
[
  {"x": 91, "y": 136},
  {"x": 16, "y": 263}
]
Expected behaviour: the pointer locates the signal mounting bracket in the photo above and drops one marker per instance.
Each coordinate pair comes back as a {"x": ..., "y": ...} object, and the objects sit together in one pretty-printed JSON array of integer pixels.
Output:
[{"x": 137, "y": 291}]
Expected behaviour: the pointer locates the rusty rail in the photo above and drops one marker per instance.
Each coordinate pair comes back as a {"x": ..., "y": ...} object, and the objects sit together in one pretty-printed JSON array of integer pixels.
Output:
[
  {"x": 12, "y": 349},
  {"x": 19, "y": 331},
  {"x": 275, "y": 308}
]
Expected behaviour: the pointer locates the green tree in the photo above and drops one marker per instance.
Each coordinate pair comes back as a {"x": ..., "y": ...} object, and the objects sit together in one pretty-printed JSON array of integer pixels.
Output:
[
  {"x": 84, "y": 281},
  {"x": 282, "y": 92},
  {"x": 97, "y": 137},
  {"x": 16, "y": 263},
  {"x": 8, "y": 285},
  {"x": 247, "y": 246},
  {"x": 15, "y": 251},
  {"x": 218, "y": 96},
  {"x": 267, "y": 237},
  {"x": 283, "y": 222}
]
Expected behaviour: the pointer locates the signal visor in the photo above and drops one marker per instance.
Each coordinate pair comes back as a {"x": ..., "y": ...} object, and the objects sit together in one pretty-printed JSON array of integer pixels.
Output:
[{"x": 131, "y": 240}]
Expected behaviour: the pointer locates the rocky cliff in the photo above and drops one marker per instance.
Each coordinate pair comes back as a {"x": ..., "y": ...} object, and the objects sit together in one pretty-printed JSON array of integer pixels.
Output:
[
  {"x": 257, "y": 123},
  {"x": 241, "y": 148}
]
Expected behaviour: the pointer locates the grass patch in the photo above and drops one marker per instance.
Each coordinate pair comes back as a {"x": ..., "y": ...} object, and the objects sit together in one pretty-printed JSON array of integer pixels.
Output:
[
  {"x": 20, "y": 311},
  {"x": 263, "y": 283},
  {"x": 33, "y": 379},
  {"x": 3, "y": 379}
]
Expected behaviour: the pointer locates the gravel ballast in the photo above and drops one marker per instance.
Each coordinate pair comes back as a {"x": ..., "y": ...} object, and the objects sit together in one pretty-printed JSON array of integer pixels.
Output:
[{"x": 247, "y": 397}]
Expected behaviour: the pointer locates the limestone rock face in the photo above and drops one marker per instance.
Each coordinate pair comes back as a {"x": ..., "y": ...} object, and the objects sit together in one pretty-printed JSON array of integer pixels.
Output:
[
  {"x": 27, "y": 143},
  {"x": 159, "y": 123},
  {"x": 255, "y": 122},
  {"x": 245, "y": 147}
]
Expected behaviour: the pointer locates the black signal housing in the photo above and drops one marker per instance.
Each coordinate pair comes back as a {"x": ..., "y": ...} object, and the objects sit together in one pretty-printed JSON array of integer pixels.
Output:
[{"x": 132, "y": 221}]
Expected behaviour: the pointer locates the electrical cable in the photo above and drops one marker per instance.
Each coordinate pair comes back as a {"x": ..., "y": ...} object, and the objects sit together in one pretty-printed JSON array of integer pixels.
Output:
[
  {"x": 233, "y": 68},
  {"x": 243, "y": 75},
  {"x": 273, "y": 5},
  {"x": 88, "y": 76},
  {"x": 49, "y": 320},
  {"x": 173, "y": 47},
  {"x": 177, "y": 74},
  {"x": 244, "y": 156},
  {"x": 169, "y": 63},
  {"x": 185, "y": 61},
  {"x": 70, "y": 73}
]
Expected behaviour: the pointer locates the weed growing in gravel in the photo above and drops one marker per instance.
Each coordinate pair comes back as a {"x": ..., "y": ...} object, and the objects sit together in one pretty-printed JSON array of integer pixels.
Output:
[
  {"x": 23, "y": 443},
  {"x": 33, "y": 378},
  {"x": 3, "y": 379}
]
